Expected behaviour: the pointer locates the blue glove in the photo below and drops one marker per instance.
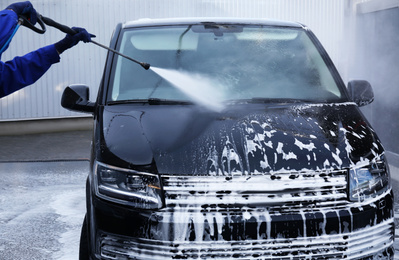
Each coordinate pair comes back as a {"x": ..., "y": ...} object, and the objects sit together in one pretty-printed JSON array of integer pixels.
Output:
[
  {"x": 26, "y": 9},
  {"x": 71, "y": 40}
]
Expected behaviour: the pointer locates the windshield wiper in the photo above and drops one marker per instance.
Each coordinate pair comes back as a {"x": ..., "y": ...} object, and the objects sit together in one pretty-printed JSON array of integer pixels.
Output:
[
  {"x": 158, "y": 101},
  {"x": 151, "y": 101},
  {"x": 272, "y": 100},
  {"x": 279, "y": 100}
]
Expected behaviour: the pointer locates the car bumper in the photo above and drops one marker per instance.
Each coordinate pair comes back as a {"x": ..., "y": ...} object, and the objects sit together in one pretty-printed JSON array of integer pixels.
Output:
[
  {"x": 355, "y": 232},
  {"x": 370, "y": 243}
]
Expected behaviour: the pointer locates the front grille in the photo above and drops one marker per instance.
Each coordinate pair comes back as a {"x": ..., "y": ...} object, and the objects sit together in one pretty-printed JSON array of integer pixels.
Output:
[
  {"x": 278, "y": 192},
  {"x": 370, "y": 243},
  {"x": 287, "y": 215}
]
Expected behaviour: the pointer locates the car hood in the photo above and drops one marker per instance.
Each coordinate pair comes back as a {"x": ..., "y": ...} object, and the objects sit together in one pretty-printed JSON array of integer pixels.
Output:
[{"x": 247, "y": 139}]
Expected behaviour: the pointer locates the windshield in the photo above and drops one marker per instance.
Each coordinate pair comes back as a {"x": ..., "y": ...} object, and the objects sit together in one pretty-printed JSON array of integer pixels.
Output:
[{"x": 238, "y": 62}]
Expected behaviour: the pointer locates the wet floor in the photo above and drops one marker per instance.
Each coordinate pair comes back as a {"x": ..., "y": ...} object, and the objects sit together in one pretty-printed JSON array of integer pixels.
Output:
[
  {"x": 42, "y": 205},
  {"x": 42, "y": 195}
]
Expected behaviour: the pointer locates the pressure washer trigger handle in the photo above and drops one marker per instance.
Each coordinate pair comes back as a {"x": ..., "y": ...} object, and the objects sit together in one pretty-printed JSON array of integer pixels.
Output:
[{"x": 23, "y": 20}]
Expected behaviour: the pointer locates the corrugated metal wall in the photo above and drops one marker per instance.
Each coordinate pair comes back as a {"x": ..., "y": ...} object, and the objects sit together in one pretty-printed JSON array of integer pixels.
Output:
[{"x": 84, "y": 63}]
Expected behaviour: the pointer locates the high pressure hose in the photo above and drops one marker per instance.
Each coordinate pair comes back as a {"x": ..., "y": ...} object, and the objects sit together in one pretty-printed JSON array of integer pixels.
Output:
[{"x": 20, "y": 21}]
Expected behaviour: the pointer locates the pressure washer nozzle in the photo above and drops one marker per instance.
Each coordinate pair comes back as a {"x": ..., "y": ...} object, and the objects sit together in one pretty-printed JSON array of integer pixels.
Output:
[{"x": 145, "y": 65}]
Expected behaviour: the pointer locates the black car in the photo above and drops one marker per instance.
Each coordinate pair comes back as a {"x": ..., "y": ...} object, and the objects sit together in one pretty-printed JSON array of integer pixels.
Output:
[{"x": 264, "y": 154}]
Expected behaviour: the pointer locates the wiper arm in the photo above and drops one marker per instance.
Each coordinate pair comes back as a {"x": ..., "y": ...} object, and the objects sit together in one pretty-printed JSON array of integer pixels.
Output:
[
  {"x": 259, "y": 100},
  {"x": 277, "y": 100},
  {"x": 151, "y": 101},
  {"x": 158, "y": 101}
]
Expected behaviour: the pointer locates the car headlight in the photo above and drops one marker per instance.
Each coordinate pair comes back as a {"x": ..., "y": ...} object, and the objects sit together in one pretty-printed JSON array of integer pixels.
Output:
[
  {"x": 137, "y": 189},
  {"x": 368, "y": 182}
]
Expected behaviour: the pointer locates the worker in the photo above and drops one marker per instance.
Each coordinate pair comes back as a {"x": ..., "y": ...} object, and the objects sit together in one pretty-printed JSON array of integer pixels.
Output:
[{"x": 26, "y": 70}]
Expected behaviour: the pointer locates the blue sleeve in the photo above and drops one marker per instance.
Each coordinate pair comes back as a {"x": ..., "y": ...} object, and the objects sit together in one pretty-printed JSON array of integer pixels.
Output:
[{"x": 26, "y": 70}]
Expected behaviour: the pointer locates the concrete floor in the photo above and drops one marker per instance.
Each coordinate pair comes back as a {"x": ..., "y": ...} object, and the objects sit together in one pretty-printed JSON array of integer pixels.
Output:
[
  {"x": 42, "y": 199},
  {"x": 42, "y": 207}
]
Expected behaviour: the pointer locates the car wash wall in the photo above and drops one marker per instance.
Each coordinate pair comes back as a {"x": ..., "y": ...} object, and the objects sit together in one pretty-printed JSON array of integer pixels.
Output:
[{"x": 376, "y": 58}]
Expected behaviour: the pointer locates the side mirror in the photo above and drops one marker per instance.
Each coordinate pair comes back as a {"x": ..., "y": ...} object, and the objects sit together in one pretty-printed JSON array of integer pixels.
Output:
[
  {"x": 76, "y": 98},
  {"x": 360, "y": 92}
]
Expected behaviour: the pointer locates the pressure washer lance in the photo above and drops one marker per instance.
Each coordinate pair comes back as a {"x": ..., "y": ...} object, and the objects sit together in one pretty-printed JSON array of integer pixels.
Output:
[{"x": 69, "y": 30}]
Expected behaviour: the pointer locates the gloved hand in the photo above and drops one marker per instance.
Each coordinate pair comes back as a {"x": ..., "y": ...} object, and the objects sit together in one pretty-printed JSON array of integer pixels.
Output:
[
  {"x": 26, "y": 9},
  {"x": 71, "y": 40}
]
